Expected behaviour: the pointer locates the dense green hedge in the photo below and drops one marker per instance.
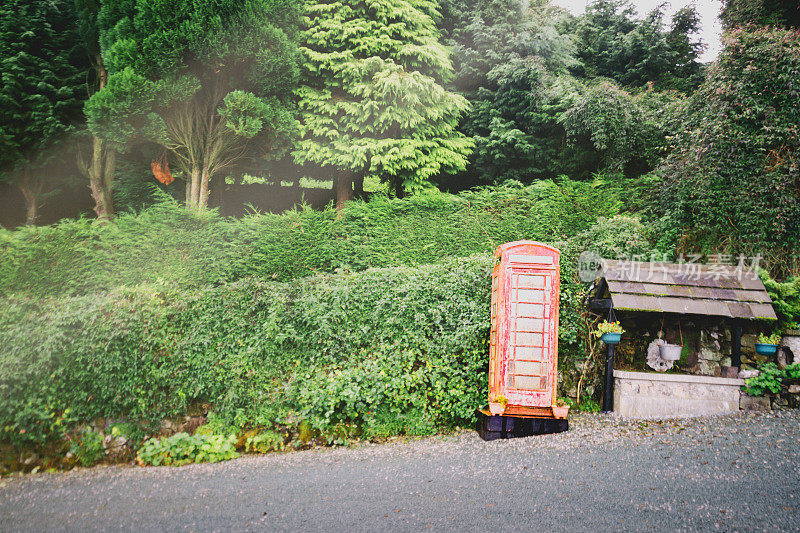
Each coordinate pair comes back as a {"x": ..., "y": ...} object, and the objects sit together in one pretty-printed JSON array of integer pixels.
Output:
[
  {"x": 167, "y": 243},
  {"x": 400, "y": 346},
  {"x": 392, "y": 350}
]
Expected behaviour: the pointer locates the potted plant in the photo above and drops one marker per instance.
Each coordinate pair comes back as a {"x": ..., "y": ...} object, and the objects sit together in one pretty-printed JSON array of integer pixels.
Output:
[
  {"x": 609, "y": 332},
  {"x": 560, "y": 409},
  {"x": 497, "y": 404},
  {"x": 768, "y": 345}
]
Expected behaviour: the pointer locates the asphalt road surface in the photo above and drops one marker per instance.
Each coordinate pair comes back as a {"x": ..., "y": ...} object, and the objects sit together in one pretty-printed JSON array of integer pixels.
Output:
[{"x": 737, "y": 473}]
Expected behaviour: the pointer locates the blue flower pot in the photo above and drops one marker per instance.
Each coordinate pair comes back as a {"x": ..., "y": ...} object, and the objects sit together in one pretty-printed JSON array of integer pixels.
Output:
[
  {"x": 611, "y": 338},
  {"x": 766, "y": 349}
]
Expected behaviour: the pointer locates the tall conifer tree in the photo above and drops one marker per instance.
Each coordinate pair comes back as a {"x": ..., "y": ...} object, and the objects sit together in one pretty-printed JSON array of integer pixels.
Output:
[
  {"x": 373, "y": 101},
  {"x": 41, "y": 89}
]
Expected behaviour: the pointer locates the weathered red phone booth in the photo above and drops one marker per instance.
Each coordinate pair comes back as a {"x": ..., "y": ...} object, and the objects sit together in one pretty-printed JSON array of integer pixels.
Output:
[{"x": 523, "y": 343}]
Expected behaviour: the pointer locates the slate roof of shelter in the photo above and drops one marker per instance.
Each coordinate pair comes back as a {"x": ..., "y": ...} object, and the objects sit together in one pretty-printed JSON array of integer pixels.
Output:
[{"x": 687, "y": 288}]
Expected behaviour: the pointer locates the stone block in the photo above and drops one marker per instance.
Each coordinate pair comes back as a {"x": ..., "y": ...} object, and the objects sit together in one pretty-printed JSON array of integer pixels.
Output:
[
  {"x": 749, "y": 341},
  {"x": 658, "y": 396},
  {"x": 754, "y": 403},
  {"x": 708, "y": 368},
  {"x": 780, "y": 403}
]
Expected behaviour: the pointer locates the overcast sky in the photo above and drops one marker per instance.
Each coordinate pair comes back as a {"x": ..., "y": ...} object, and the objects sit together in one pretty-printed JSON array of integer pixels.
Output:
[{"x": 708, "y": 10}]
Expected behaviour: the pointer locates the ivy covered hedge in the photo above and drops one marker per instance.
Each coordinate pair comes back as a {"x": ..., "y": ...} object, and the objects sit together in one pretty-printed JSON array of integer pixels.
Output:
[
  {"x": 166, "y": 243},
  {"x": 390, "y": 350},
  {"x": 404, "y": 347},
  {"x": 279, "y": 319}
]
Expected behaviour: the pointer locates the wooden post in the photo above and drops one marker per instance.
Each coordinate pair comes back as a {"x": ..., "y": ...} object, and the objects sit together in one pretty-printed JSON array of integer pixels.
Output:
[
  {"x": 736, "y": 345},
  {"x": 608, "y": 393}
]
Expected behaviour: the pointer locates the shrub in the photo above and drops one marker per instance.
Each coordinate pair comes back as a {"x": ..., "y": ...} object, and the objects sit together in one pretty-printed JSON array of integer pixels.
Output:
[
  {"x": 380, "y": 351},
  {"x": 774, "y": 338},
  {"x": 167, "y": 244},
  {"x": 771, "y": 379},
  {"x": 785, "y": 299},
  {"x": 182, "y": 448},
  {"x": 328, "y": 348},
  {"x": 88, "y": 447},
  {"x": 264, "y": 442}
]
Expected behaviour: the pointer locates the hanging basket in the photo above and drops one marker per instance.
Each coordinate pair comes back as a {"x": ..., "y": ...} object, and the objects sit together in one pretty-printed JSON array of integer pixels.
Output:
[
  {"x": 766, "y": 349},
  {"x": 670, "y": 352}
]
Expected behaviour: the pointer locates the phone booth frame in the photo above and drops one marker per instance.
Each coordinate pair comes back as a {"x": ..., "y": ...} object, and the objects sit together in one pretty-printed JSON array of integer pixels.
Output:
[{"x": 523, "y": 343}]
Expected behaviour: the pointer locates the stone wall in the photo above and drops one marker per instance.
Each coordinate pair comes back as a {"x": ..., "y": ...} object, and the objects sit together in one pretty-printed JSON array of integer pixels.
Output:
[
  {"x": 655, "y": 396},
  {"x": 706, "y": 340}
]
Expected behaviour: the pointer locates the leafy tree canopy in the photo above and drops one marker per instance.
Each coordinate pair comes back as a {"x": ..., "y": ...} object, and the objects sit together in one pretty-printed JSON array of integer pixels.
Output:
[
  {"x": 509, "y": 61},
  {"x": 629, "y": 131},
  {"x": 612, "y": 43},
  {"x": 732, "y": 182},
  {"x": 784, "y": 13},
  {"x": 41, "y": 78},
  {"x": 42, "y": 69},
  {"x": 209, "y": 81}
]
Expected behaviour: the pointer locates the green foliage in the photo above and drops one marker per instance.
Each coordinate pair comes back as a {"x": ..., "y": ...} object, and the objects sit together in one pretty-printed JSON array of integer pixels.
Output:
[
  {"x": 611, "y": 43},
  {"x": 771, "y": 378},
  {"x": 400, "y": 350},
  {"x": 208, "y": 81},
  {"x": 166, "y": 243},
  {"x": 627, "y": 131},
  {"x": 223, "y": 424},
  {"x": 587, "y": 405},
  {"x": 122, "y": 113},
  {"x": 731, "y": 183},
  {"x": 372, "y": 102},
  {"x": 774, "y": 338},
  {"x": 264, "y": 442},
  {"x": 509, "y": 62},
  {"x": 42, "y": 69},
  {"x": 181, "y": 449},
  {"x": 760, "y": 12},
  {"x": 88, "y": 447},
  {"x": 378, "y": 351},
  {"x": 529, "y": 118},
  {"x": 785, "y": 299}
]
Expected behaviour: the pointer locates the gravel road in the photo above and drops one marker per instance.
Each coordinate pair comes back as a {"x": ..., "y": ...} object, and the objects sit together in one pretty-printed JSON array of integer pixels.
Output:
[{"x": 740, "y": 472}]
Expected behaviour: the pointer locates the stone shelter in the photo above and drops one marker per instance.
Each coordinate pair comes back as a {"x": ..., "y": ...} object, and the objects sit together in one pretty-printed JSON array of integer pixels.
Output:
[{"x": 714, "y": 311}]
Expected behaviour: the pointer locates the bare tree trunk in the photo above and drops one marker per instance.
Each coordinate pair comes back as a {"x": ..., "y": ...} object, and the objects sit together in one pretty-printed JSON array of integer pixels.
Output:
[
  {"x": 104, "y": 162},
  {"x": 102, "y": 73},
  {"x": 344, "y": 190},
  {"x": 101, "y": 177},
  {"x": 30, "y": 191},
  {"x": 202, "y": 201},
  {"x": 188, "y": 193},
  {"x": 108, "y": 174},
  {"x": 358, "y": 187},
  {"x": 195, "y": 197}
]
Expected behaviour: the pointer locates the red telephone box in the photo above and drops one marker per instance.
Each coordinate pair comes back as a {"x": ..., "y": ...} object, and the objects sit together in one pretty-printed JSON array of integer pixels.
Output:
[{"x": 523, "y": 341}]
